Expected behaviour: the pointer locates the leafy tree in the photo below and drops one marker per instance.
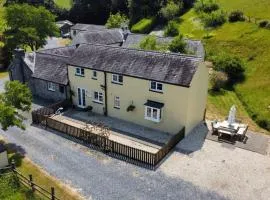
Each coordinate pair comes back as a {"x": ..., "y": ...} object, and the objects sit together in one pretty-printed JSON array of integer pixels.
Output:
[
  {"x": 178, "y": 45},
  {"x": 206, "y": 6},
  {"x": 171, "y": 29},
  {"x": 120, "y": 6},
  {"x": 214, "y": 19},
  {"x": 149, "y": 43},
  {"x": 28, "y": 26},
  {"x": 172, "y": 9},
  {"x": 231, "y": 65},
  {"x": 90, "y": 11},
  {"x": 16, "y": 97},
  {"x": 218, "y": 80},
  {"x": 116, "y": 20}
]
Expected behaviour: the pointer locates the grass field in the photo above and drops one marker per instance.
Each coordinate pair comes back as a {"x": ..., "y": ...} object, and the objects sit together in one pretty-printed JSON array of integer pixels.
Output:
[
  {"x": 64, "y": 3},
  {"x": 253, "y": 8},
  {"x": 247, "y": 41}
]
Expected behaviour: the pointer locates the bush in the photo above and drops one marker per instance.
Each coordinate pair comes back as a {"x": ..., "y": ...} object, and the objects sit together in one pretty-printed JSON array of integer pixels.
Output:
[
  {"x": 171, "y": 10},
  {"x": 264, "y": 24},
  {"x": 264, "y": 123},
  {"x": 236, "y": 15},
  {"x": 143, "y": 26},
  {"x": 206, "y": 6},
  {"x": 149, "y": 43},
  {"x": 232, "y": 66},
  {"x": 178, "y": 45},
  {"x": 213, "y": 19},
  {"x": 171, "y": 29},
  {"x": 218, "y": 80},
  {"x": 116, "y": 21}
]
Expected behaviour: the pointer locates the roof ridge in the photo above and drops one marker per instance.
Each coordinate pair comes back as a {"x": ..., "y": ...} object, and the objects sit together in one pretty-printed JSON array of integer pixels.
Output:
[
  {"x": 149, "y": 51},
  {"x": 57, "y": 55}
]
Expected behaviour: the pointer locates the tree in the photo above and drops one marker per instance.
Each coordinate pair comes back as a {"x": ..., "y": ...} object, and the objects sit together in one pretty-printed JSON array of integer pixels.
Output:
[
  {"x": 172, "y": 9},
  {"x": 116, "y": 21},
  {"x": 149, "y": 43},
  {"x": 218, "y": 80},
  {"x": 28, "y": 26},
  {"x": 178, "y": 45},
  {"x": 171, "y": 29},
  {"x": 17, "y": 97}
]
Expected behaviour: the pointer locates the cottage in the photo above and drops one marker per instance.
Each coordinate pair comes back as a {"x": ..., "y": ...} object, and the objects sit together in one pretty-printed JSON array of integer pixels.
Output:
[{"x": 163, "y": 91}]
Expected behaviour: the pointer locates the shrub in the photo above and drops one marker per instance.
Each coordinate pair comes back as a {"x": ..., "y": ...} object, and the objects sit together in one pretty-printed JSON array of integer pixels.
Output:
[
  {"x": 264, "y": 123},
  {"x": 116, "y": 21},
  {"x": 149, "y": 43},
  {"x": 171, "y": 10},
  {"x": 232, "y": 66},
  {"x": 206, "y": 6},
  {"x": 236, "y": 15},
  {"x": 264, "y": 23},
  {"x": 171, "y": 29},
  {"x": 218, "y": 80},
  {"x": 178, "y": 45},
  {"x": 213, "y": 19},
  {"x": 143, "y": 26}
]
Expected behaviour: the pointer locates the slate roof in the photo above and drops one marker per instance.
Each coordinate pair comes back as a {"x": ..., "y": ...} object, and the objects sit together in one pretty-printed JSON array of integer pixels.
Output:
[
  {"x": 88, "y": 27},
  {"x": 60, "y": 51},
  {"x": 133, "y": 41},
  {"x": 51, "y": 67},
  {"x": 111, "y": 36},
  {"x": 163, "y": 67}
]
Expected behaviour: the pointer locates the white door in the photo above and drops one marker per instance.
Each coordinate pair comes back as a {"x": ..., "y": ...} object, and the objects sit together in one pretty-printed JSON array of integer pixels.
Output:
[{"x": 81, "y": 97}]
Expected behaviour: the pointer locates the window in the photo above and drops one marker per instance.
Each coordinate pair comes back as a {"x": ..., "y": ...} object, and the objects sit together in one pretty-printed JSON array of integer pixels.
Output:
[
  {"x": 79, "y": 71},
  {"x": 94, "y": 74},
  {"x": 156, "y": 86},
  {"x": 116, "y": 102},
  {"x": 74, "y": 32},
  {"x": 98, "y": 97},
  {"x": 61, "y": 89},
  {"x": 51, "y": 86},
  {"x": 116, "y": 78},
  {"x": 152, "y": 114}
]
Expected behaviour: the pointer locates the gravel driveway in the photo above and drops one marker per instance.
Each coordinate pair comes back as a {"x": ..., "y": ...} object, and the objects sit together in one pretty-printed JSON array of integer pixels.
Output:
[{"x": 209, "y": 171}]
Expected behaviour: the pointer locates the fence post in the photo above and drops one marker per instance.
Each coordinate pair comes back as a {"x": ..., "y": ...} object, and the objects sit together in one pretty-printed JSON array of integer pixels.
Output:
[
  {"x": 52, "y": 193},
  {"x": 31, "y": 182}
]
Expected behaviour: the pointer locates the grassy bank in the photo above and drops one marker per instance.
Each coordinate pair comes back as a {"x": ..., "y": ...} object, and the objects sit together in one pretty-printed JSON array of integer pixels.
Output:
[
  {"x": 64, "y": 3},
  {"x": 247, "y": 41}
]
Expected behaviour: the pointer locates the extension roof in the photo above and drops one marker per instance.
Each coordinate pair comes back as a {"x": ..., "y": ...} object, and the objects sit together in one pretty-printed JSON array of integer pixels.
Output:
[{"x": 169, "y": 68}]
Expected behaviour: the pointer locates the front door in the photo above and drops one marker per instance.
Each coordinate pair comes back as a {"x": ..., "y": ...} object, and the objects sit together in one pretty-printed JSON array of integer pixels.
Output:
[{"x": 81, "y": 98}]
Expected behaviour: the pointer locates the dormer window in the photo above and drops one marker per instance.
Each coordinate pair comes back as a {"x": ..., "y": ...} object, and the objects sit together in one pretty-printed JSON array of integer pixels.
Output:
[
  {"x": 156, "y": 86},
  {"x": 79, "y": 71},
  {"x": 118, "y": 79}
]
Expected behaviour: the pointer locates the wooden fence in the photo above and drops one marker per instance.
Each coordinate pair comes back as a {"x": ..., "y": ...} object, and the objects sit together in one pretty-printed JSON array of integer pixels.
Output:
[
  {"x": 29, "y": 183},
  {"x": 134, "y": 155}
]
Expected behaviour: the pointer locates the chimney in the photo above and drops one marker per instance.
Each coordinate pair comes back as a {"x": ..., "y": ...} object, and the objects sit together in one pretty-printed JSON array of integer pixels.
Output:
[
  {"x": 19, "y": 53},
  {"x": 125, "y": 32}
]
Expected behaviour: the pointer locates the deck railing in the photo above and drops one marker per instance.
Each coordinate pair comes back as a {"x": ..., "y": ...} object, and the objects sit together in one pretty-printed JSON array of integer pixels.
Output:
[{"x": 124, "y": 152}]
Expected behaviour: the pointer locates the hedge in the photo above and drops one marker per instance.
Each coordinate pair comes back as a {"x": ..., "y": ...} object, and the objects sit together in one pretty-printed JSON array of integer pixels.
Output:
[{"x": 145, "y": 25}]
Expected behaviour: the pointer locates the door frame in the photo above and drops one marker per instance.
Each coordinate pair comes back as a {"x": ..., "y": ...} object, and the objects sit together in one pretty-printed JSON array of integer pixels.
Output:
[{"x": 81, "y": 106}]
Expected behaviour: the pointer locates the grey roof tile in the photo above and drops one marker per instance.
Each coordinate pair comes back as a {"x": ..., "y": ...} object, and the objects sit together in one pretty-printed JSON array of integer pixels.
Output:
[{"x": 164, "y": 67}]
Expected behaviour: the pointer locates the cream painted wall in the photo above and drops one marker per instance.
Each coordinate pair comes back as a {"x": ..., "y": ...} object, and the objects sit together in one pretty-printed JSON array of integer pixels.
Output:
[
  {"x": 182, "y": 106},
  {"x": 3, "y": 159},
  {"x": 197, "y": 98},
  {"x": 89, "y": 84}
]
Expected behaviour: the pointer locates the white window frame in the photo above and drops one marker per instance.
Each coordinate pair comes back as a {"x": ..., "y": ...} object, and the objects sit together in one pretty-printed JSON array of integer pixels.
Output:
[
  {"x": 51, "y": 86},
  {"x": 156, "y": 86},
  {"x": 151, "y": 117},
  {"x": 80, "y": 71},
  {"x": 100, "y": 97},
  {"x": 115, "y": 78},
  {"x": 116, "y": 102},
  {"x": 94, "y": 76}
]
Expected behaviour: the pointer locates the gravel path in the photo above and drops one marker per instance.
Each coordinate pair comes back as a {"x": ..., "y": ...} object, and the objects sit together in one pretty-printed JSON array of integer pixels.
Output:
[{"x": 209, "y": 171}]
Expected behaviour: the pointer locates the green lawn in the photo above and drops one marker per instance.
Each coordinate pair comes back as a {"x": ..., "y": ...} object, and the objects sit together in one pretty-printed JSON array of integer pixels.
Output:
[
  {"x": 64, "y": 3},
  {"x": 247, "y": 41},
  {"x": 254, "y": 8}
]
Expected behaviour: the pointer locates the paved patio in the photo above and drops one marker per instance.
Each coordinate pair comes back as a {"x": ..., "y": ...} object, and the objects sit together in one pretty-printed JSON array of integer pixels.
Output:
[
  {"x": 124, "y": 128},
  {"x": 255, "y": 142}
]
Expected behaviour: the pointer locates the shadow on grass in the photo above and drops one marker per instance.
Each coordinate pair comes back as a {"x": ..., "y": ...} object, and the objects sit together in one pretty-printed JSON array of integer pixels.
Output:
[{"x": 16, "y": 153}]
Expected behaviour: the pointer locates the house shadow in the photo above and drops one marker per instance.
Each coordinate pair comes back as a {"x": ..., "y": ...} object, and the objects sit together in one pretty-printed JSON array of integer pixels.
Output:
[{"x": 194, "y": 141}]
